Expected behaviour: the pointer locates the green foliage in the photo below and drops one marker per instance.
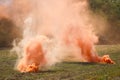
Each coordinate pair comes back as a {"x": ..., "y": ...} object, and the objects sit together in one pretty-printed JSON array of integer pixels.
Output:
[
  {"x": 111, "y": 10},
  {"x": 110, "y": 7}
]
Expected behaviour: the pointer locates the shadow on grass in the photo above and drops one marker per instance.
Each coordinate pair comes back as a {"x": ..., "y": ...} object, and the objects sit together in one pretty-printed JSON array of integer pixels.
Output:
[
  {"x": 84, "y": 63},
  {"x": 46, "y": 71},
  {"x": 17, "y": 74}
]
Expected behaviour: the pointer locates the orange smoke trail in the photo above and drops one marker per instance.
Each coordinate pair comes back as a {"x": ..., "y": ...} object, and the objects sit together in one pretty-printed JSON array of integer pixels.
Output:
[
  {"x": 34, "y": 57},
  {"x": 53, "y": 30},
  {"x": 86, "y": 47}
]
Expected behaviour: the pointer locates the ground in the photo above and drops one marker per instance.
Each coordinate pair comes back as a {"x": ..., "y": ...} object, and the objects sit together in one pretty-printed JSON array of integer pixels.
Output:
[{"x": 66, "y": 70}]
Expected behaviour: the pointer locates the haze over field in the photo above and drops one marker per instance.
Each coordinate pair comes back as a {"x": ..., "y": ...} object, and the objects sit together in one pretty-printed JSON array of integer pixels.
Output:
[
  {"x": 59, "y": 39},
  {"x": 53, "y": 30}
]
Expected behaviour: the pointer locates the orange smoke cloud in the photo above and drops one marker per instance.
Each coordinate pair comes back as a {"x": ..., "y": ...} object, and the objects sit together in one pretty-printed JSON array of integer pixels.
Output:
[
  {"x": 4, "y": 12},
  {"x": 54, "y": 30},
  {"x": 85, "y": 43},
  {"x": 33, "y": 58}
]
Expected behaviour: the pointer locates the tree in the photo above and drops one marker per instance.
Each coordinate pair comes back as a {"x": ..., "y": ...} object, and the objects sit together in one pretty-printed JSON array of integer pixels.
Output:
[
  {"x": 8, "y": 32},
  {"x": 111, "y": 10}
]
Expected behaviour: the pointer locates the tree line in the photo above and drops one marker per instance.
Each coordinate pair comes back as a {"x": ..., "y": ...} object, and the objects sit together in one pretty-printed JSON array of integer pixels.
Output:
[
  {"x": 8, "y": 32},
  {"x": 111, "y": 11}
]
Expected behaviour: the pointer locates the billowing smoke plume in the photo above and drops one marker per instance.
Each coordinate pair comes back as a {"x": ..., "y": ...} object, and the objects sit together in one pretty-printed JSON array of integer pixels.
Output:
[{"x": 52, "y": 31}]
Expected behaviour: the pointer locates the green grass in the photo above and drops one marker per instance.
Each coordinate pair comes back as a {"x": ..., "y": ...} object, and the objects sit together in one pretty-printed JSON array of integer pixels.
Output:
[{"x": 66, "y": 70}]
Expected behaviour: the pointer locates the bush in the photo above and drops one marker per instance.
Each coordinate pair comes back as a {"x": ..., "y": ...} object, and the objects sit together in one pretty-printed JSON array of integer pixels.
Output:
[{"x": 8, "y": 32}]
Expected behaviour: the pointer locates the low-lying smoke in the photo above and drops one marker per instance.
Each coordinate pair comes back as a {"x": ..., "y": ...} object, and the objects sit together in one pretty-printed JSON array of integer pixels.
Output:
[{"x": 54, "y": 30}]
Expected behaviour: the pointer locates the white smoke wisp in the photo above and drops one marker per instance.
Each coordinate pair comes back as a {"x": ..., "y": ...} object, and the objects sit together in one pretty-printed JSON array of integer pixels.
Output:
[{"x": 54, "y": 30}]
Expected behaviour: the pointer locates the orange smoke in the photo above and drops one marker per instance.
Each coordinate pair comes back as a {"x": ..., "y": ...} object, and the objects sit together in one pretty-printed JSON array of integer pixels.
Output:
[
  {"x": 33, "y": 57},
  {"x": 106, "y": 59},
  {"x": 3, "y": 12},
  {"x": 66, "y": 27},
  {"x": 72, "y": 37}
]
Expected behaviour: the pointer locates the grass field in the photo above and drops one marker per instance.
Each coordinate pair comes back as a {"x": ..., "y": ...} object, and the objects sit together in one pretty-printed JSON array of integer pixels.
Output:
[{"x": 66, "y": 70}]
